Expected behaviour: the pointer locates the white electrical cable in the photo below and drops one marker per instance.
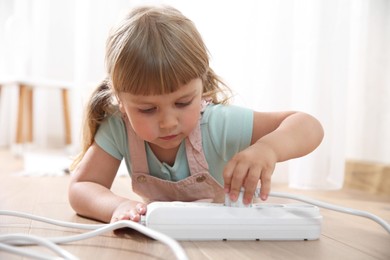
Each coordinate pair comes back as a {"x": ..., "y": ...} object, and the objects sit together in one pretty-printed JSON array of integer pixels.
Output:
[
  {"x": 26, "y": 252},
  {"x": 51, "y": 221},
  {"x": 325, "y": 205},
  {"x": 97, "y": 230},
  {"x": 33, "y": 240}
]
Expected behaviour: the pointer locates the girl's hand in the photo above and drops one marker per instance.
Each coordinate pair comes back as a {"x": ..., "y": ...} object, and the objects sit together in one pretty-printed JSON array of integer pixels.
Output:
[
  {"x": 246, "y": 168},
  {"x": 129, "y": 210}
]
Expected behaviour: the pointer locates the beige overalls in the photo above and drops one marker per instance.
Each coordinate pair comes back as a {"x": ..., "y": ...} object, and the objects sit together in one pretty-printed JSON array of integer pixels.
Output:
[{"x": 200, "y": 185}]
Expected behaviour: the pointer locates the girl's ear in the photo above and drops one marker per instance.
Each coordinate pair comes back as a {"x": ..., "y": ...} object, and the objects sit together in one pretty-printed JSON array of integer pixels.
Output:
[
  {"x": 121, "y": 107},
  {"x": 120, "y": 104}
]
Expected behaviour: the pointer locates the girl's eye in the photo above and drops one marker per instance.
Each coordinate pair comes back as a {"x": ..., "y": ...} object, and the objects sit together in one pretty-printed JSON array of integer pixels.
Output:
[
  {"x": 183, "y": 104},
  {"x": 148, "y": 110}
]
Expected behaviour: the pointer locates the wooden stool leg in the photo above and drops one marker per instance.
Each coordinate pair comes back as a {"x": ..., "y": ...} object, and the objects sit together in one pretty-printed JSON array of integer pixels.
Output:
[
  {"x": 20, "y": 120},
  {"x": 67, "y": 123},
  {"x": 30, "y": 110}
]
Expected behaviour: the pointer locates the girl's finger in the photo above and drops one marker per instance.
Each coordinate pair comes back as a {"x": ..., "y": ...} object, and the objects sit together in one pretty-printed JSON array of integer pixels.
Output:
[
  {"x": 141, "y": 208},
  {"x": 114, "y": 219},
  {"x": 237, "y": 181},
  {"x": 227, "y": 175},
  {"x": 251, "y": 181},
  {"x": 265, "y": 184}
]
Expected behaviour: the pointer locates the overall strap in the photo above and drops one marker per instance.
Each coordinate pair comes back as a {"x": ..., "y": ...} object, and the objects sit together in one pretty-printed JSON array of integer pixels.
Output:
[
  {"x": 137, "y": 150},
  {"x": 194, "y": 149}
]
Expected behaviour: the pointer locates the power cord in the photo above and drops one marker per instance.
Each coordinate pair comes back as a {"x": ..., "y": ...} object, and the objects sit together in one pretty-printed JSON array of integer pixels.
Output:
[
  {"x": 97, "y": 229},
  {"x": 27, "y": 238},
  {"x": 333, "y": 207},
  {"x": 6, "y": 241}
]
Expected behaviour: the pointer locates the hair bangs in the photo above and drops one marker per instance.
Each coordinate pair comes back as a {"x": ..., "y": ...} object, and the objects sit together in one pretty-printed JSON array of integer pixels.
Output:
[{"x": 161, "y": 56}]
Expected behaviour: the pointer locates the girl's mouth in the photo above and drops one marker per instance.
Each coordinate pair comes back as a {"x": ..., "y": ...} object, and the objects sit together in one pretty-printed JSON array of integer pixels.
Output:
[{"x": 168, "y": 137}]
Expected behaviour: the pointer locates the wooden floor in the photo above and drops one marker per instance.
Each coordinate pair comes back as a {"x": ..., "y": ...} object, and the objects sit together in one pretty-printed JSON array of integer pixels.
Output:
[{"x": 343, "y": 236}]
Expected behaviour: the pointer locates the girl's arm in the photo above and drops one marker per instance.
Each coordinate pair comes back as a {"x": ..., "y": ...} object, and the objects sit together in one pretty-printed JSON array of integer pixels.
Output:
[
  {"x": 89, "y": 190},
  {"x": 276, "y": 137}
]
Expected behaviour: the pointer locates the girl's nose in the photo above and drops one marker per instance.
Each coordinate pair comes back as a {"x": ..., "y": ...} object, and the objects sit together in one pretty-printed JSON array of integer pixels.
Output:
[{"x": 168, "y": 120}]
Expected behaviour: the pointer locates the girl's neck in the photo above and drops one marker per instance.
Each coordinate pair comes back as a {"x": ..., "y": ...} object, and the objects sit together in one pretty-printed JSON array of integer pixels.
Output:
[{"x": 164, "y": 155}]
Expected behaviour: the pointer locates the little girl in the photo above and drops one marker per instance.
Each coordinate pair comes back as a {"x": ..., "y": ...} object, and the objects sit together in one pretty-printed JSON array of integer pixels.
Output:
[{"x": 164, "y": 111}]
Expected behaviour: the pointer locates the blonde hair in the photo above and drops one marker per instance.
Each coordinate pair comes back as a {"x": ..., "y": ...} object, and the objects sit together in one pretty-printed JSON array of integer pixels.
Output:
[{"x": 153, "y": 51}]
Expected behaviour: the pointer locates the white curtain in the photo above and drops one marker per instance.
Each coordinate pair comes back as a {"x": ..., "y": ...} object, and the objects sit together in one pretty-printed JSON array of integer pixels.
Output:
[{"x": 325, "y": 57}]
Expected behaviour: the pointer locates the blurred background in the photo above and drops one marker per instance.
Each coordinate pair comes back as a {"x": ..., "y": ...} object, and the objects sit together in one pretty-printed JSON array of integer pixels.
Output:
[{"x": 329, "y": 58}]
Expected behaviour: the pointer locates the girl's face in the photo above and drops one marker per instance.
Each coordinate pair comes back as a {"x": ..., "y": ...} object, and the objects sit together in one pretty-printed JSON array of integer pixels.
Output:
[{"x": 164, "y": 120}]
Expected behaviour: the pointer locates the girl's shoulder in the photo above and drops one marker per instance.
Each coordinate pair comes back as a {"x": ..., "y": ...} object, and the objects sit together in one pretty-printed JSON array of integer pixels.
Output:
[
  {"x": 113, "y": 121},
  {"x": 111, "y": 135},
  {"x": 225, "y": 113},
  {"x": 226, "y": 130}
]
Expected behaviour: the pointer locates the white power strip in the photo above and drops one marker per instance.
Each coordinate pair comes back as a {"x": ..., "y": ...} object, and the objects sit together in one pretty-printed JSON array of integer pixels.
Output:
[{"x": 211, "y": 221}]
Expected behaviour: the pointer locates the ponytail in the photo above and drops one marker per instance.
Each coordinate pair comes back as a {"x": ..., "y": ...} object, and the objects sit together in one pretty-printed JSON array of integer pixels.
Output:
[
  {"x": 214, "y": 89},
  {"x": 100, "y": 105}
]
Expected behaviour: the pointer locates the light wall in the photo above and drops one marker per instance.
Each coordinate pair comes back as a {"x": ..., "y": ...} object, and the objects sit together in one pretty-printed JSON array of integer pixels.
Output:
[{"x": 327, "y": 58}]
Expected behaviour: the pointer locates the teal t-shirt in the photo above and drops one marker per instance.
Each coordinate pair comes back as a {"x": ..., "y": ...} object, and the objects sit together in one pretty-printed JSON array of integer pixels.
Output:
[{"x": 226, "y": 130}]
